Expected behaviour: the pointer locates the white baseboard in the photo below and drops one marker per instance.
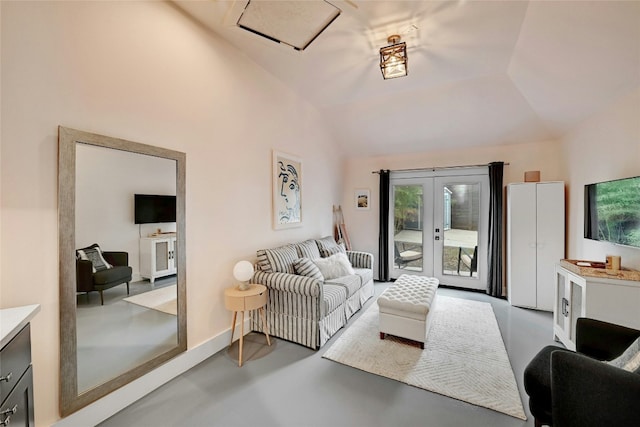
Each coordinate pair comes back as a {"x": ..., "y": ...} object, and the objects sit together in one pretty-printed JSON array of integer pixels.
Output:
[{"x": 116, "y": 401}]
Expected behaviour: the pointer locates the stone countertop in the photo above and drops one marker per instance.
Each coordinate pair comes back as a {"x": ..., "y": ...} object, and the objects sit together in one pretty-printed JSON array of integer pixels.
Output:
[
  {"x": 596, "y": 269},
  {"x": 12, "y": 320}
]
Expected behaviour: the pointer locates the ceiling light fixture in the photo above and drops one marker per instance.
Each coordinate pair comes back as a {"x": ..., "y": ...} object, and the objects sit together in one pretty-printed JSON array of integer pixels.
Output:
[{"x": 393, "y": 58}]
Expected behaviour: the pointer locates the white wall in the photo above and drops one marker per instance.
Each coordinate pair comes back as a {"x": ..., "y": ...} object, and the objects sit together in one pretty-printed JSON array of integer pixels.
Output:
[
  {"x": 143, "y": 71},
  {"x": 604, "y": 147},
  {"x": 362, "y": 226}
]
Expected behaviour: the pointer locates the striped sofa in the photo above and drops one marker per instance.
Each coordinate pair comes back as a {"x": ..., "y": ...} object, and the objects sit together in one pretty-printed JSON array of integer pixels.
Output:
[{"x": 307, "y": 309}]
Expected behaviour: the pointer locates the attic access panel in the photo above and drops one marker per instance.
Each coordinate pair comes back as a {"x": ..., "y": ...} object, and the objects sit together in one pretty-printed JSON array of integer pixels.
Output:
[{"x": 295, "y": 23}]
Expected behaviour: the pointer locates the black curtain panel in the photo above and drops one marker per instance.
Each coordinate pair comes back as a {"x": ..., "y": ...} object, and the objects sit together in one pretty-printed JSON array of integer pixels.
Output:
[
  {"x": 383, "y": 237},
  {"x": 494, "y": 279}
]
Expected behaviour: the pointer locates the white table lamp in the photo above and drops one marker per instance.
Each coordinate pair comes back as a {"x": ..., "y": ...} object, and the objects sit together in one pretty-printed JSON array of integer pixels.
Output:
[{"x": 243, "y": 272}]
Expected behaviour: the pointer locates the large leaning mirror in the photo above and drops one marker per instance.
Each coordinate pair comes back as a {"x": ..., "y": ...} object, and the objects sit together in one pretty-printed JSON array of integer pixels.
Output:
[{"x": 121, "y": 207}]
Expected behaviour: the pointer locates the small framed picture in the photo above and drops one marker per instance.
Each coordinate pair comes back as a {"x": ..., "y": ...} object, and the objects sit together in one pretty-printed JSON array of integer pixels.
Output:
[{"x": 362, "y": 199}]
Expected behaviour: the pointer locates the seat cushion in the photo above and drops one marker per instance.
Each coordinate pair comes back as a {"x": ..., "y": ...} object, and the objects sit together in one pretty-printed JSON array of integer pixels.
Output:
[
  {"x": 334, "y": 297},
  {"x": 365, "y": 274},
  {"x": 118, "y": 275},
  {"x": 350, "y": 283},
  {"x": 537, "y": 383}
]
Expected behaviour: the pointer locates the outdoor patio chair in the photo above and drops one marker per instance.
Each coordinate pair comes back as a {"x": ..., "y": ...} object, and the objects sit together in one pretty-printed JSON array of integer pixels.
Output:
[{"x": 468, "y": 259}]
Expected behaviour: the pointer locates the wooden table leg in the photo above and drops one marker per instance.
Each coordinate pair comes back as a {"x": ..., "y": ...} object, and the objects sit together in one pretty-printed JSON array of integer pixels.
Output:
[
  {"x": 233, "y": 327},
  {"x": 264, "y": 324},
  {"x": 241, "y": 337}
]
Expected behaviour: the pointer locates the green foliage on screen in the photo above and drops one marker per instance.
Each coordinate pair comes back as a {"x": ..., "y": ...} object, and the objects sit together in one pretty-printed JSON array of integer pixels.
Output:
[{"x": 618, "y": 209}]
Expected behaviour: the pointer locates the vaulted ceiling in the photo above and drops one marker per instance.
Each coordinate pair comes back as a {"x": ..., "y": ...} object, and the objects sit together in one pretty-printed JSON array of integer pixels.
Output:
[{"x": 480, "y": 72}]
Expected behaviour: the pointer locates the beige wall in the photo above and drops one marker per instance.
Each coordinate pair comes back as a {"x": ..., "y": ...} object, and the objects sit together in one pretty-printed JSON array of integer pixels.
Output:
[
  {"x": 605, "y": 147},
  {"x": 144, "y": 72},
  {"x": 363, "y": 225}
]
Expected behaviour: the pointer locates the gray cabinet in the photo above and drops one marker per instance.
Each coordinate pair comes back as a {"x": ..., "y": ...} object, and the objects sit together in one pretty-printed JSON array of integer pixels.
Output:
[{"x": 16, "y": 381}]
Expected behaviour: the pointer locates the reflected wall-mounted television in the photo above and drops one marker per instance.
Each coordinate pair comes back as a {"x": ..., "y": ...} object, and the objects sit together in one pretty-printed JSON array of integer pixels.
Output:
[
  {"x": 612, "y": 211},
  {"x": 151, "y": 209}
]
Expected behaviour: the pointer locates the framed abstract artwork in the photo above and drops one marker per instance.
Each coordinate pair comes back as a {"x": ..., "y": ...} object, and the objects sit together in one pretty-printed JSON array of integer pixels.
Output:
[
  {"x": 362, "y": 199},
  {"x": 287, "y": 190}
]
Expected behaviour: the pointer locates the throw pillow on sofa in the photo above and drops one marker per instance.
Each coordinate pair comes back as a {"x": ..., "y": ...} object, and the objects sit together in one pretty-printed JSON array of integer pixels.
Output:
[
  {"x": 306, "y": 267},
  {"x": 277, "y": 260},
  {"x": 335, "y": 266},
  {"x": 308, "y": 249},
  {"x": 630, "y": 359},
  {"x": 328, "y": 246}
]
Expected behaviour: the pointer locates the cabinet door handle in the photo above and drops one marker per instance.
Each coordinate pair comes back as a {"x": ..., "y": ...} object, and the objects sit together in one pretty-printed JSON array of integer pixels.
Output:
[
  {"x": 565, "y": 305},
  {"x": 7, "y": 378},
  {"x": 8, "y": 413}
]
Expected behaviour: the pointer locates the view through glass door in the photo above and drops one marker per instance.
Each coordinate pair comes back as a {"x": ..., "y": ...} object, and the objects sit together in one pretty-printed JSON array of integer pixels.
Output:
[{"x": 439, "y": 226}]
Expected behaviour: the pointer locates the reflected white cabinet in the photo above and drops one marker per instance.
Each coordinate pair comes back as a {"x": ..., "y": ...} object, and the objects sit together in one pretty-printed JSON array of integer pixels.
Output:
[
  {"x": 610, "y": 300},
  {"x": 157, "y": 257},
  {"x": 535, "y": 242}
]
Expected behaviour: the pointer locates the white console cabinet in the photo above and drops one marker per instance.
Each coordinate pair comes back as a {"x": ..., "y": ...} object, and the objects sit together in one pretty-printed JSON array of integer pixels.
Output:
[
  {"x": 610, "y": 300},
  {"x": 157, "y": 257}
]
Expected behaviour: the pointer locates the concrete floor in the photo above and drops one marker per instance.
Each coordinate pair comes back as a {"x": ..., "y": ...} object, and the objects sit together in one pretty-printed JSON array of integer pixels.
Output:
[
  {"x": 289, "y": 385},
  {"x": 118, "y": 336}
]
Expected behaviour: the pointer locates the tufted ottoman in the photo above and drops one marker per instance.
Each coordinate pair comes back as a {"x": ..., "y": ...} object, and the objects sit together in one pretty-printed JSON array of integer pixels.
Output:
[{"x": 406, "y": 307}]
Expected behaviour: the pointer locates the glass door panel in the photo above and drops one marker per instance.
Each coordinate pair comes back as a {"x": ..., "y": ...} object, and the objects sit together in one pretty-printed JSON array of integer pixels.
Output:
[
  {"x": 460, "y": 218},
  {"x": 411, "y": 227},
  {"x": 408, "y": 209},
  {"x": 462, "y": 213}
]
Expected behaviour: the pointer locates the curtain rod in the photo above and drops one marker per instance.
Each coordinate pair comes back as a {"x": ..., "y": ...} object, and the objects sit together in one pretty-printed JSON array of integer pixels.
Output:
[{"x": 435, "y": 168}]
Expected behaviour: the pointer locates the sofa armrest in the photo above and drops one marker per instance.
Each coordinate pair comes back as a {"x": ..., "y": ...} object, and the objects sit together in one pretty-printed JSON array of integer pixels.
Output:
[
  {"x": 586, "y": 392},
  {"x": 360, "y": 259},
  {"x": 116, "y": 258},
  {"x": 603, "y": 340},
  {"x": 286, "y": 282},
  {"x": 84, "y": 276}
]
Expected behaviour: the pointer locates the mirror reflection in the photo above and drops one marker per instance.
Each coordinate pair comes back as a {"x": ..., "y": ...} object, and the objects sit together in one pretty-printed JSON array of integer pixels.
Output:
[
  {"x": 108, "y": 336},
  {"x": 125, "y": 240}
]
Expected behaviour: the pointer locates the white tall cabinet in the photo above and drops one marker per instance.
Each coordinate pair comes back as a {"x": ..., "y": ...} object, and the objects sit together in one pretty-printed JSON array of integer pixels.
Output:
[{"x": 535, "y": 242}]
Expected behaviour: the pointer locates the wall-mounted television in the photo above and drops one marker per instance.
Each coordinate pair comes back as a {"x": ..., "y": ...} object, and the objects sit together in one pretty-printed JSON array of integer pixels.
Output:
[
  {"x": 612, "y": 211},
  {"x": 151, "y": 209}
]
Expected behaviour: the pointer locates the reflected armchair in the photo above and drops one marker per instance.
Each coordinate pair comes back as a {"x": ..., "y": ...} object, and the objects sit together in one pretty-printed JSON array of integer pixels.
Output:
[{"x": 98, "y": 270}]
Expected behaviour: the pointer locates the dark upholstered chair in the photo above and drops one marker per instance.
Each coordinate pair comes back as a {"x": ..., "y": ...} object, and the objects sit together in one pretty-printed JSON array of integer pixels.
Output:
[
  {"x": 89, "y": 281},
  {"x": 571, "y": 389}
]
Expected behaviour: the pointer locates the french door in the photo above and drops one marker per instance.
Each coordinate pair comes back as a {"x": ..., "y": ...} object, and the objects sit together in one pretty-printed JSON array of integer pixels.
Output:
[{"x": 438, "y": 225}]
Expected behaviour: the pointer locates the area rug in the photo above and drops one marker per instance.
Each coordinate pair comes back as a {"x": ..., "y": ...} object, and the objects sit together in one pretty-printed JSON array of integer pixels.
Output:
[
  {"x": 464, "y": 356},
  {"x": 163, "y": 299}
]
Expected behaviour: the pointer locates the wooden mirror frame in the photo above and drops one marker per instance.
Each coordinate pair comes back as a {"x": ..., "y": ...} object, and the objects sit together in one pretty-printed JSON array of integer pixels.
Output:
[{"x": 70, "y": 399}]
